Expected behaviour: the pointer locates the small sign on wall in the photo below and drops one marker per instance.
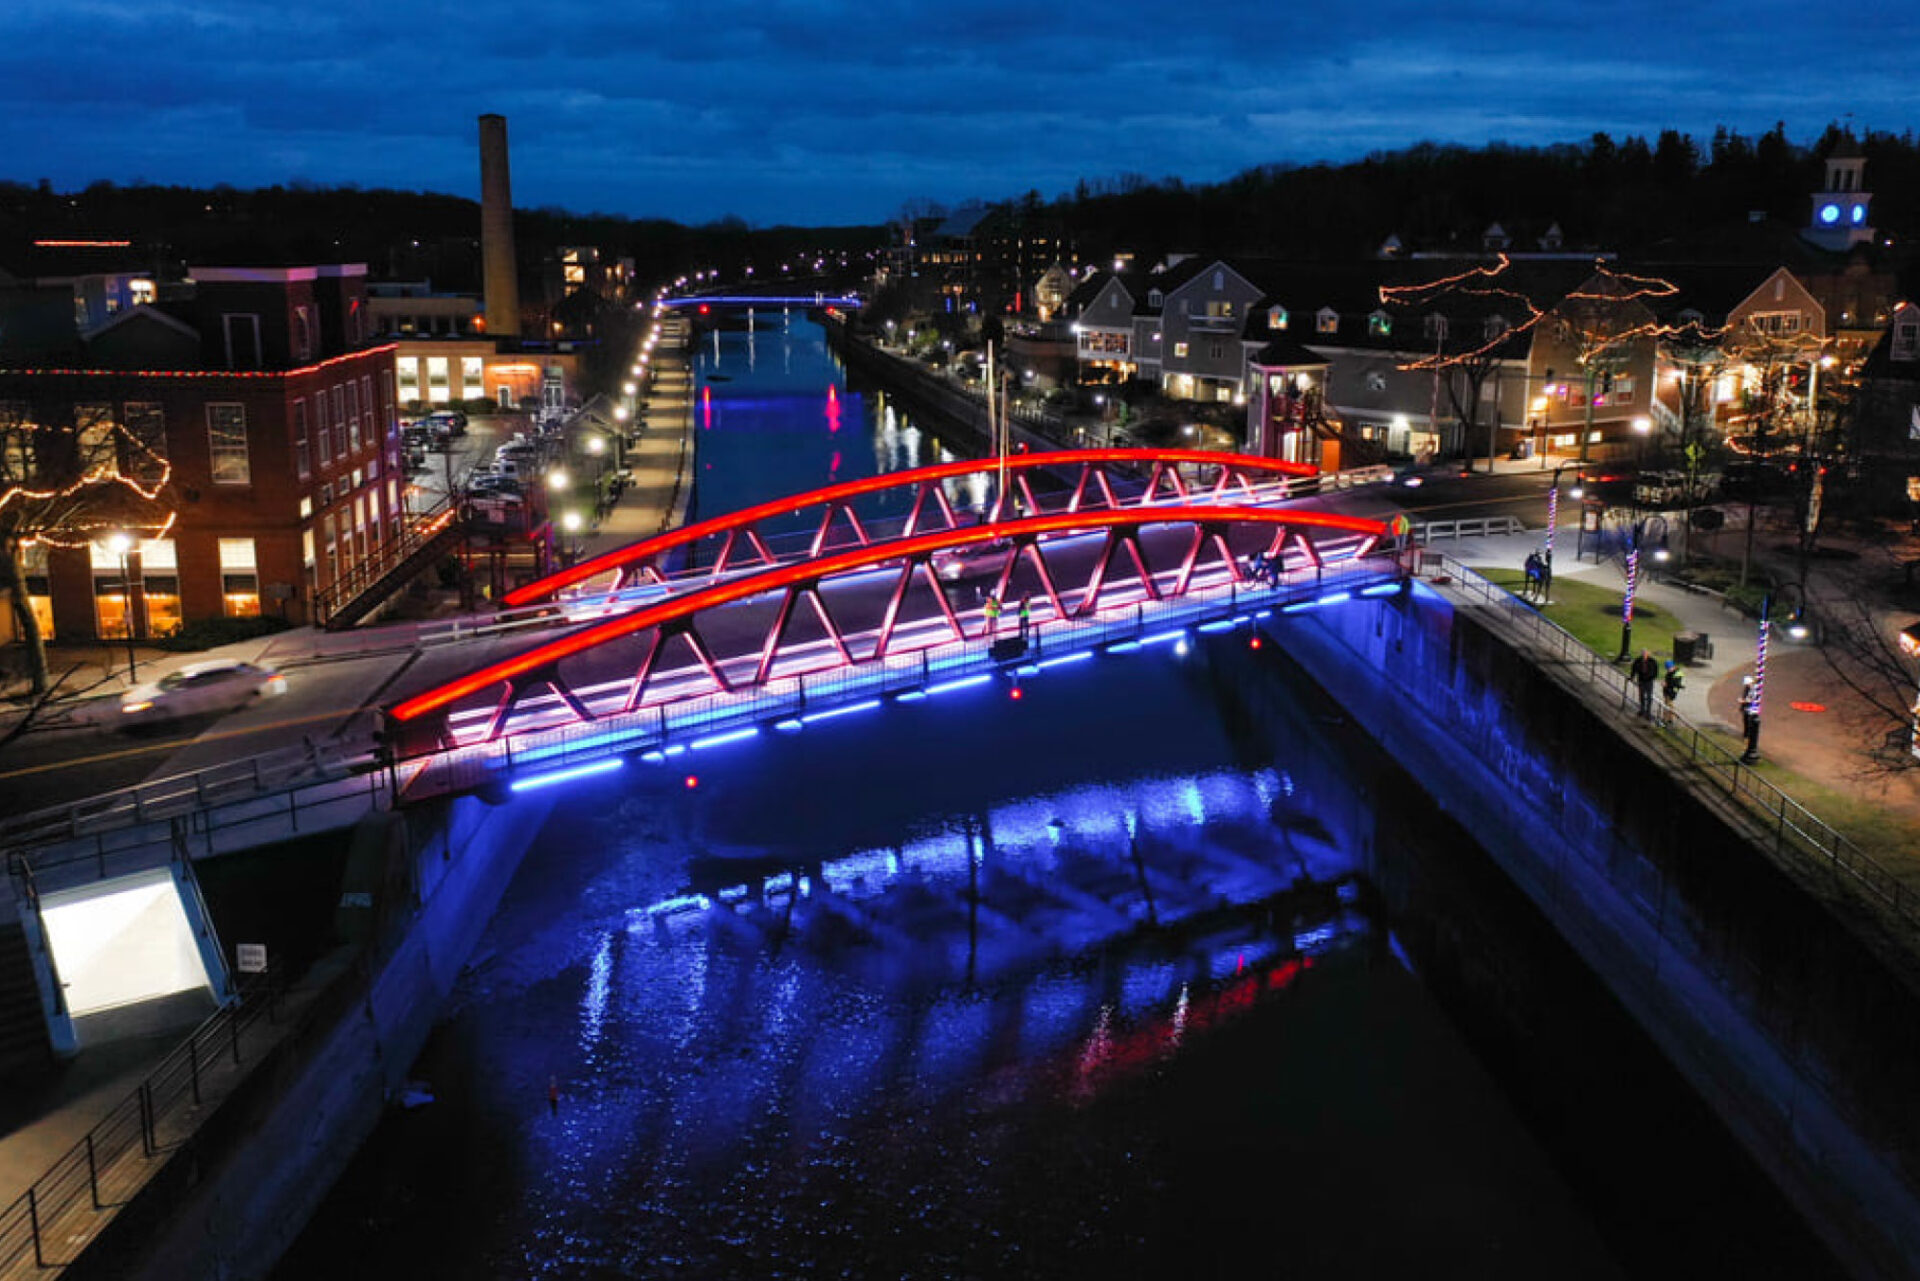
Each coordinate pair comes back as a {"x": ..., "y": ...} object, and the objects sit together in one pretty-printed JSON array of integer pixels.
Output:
[{"x": 250, "y": 958}]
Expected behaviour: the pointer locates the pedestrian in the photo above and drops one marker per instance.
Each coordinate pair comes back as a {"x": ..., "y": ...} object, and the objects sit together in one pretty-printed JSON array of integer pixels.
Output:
[
  {"x": 993, "y": 615},
  {"x": 1533, "y": 575},
  {"x": 1750, "y": 719},
  {"x": 1026, "y": 615},
  {"x": 1645, "y": 671},
  {"x": 1670, "y": 685},
  {"x": 1546, "y": 576}
]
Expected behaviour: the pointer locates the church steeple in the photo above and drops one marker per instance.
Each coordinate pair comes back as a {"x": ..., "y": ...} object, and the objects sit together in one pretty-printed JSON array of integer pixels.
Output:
[{"x": 1839, "y": 219}]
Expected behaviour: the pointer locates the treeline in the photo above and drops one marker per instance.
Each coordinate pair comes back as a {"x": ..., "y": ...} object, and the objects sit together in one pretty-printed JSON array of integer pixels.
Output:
[
  {"x": 402, "y": 235},
  {"x": 1628, "y": 194}
]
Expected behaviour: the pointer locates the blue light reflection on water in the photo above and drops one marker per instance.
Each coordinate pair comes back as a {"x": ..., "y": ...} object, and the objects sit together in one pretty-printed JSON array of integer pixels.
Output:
[{"x": 824, "y": 1069}]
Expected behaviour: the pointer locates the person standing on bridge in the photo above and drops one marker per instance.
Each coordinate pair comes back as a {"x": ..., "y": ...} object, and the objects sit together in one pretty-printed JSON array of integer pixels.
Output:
[
  {"x": 1026, "y": 615},
  {"x": 992, "y": 611}
]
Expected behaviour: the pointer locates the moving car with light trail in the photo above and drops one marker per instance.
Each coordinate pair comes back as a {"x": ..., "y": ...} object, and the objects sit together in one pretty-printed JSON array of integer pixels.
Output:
[{"x": 199, "y": 689}]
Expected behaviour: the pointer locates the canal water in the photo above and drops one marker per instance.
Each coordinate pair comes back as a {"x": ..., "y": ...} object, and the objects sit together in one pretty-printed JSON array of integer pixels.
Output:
[{"x": 1094, "y": 980}]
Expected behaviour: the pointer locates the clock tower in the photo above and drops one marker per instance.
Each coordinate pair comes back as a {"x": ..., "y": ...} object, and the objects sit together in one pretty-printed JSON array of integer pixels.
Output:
[{"x": 1840, "y": 212}]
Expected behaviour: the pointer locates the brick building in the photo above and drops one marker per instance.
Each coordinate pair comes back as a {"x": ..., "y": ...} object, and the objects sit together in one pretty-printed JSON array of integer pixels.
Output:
[{"x": 259, "y": 395}]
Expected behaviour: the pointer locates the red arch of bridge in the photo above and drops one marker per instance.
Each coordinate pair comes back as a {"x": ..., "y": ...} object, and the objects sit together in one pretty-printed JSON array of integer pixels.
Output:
[
  {"x": 812, "y": 571},
  {"x": 648, "y": 548}
]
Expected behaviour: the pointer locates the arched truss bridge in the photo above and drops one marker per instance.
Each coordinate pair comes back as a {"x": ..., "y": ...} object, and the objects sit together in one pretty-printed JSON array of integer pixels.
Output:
[
  {"x": 1102, "y": 478},
  {"x": 614, "y": 665}
]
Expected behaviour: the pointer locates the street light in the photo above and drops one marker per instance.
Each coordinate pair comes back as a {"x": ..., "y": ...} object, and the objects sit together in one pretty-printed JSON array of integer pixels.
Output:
[
  {"x": 119, "y": 544},
  {"x": 1910, "y": 646},
  {"x": 572, "y": 524},
  {"x": 1626, "y": 602}
]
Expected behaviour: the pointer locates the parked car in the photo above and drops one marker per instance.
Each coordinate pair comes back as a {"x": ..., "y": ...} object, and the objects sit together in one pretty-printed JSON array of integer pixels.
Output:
[
  {"x": 198, "y": 689},
  {"x": 975, "y": 560},
  {"x": 451, "y": 422}
]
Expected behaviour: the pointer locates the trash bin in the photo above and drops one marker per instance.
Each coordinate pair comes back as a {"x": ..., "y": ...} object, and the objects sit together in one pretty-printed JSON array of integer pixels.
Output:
[
  {"x": 1686, "y": 647},
  {"x": 1703, "y": 647}
]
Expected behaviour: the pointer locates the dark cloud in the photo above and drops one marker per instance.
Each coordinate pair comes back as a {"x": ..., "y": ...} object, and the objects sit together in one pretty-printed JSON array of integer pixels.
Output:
[{"x": 832, "y": 110}]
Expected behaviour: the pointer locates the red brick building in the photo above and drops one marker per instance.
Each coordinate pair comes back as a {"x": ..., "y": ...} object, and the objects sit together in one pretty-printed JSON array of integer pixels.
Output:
[{"x": 275, "y": 416}]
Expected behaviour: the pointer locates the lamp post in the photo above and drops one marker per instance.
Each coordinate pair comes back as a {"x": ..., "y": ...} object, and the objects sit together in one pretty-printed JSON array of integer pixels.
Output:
[
  {"x": 572, "y": 524},
  {"x": 1910, "y": 646},
  {"x": 1553, "y": 516},
  {"x": 118, "y": 545},
  {"x": 1643, "y": 428},
  {"x": 1626, "y": 602},
  {"x": 1752, "y": 701}
]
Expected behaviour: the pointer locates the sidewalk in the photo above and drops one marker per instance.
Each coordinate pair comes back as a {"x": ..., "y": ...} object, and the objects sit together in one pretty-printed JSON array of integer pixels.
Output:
[{"x": 1815, "y": 724}]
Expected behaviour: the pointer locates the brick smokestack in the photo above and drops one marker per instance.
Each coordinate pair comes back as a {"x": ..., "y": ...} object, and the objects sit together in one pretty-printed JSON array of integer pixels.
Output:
[{"x": 501, "y": 281}]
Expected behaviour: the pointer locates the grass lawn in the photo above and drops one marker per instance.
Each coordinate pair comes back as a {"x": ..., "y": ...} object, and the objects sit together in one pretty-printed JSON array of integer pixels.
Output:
[{"x": 1591, "y": 613}]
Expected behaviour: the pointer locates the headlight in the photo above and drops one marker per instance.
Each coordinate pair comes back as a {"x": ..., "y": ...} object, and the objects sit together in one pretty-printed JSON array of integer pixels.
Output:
[{"x": 136, "y": 707}]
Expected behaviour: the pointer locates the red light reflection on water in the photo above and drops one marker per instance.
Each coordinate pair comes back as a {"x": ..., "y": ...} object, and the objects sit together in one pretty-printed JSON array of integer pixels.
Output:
[{"x": 1111, "y": 1055}]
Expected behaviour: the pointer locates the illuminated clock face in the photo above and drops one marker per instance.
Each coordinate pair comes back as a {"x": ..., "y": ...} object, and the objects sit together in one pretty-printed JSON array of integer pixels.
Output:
[
  {"x": 1829, "y": 214},
  {"x": 1859, "y": 214}
]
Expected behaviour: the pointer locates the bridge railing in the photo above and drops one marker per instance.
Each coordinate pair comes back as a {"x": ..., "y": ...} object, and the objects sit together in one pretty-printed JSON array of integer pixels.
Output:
[
  {"x": 255, "y": 799},
  {"x": 48, "y": 1225},
  {"x": 669, "y": 724},
  {"x": 1791, "y": 830}
]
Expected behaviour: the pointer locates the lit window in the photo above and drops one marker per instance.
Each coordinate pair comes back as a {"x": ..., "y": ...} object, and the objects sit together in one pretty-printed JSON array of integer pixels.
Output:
[
  {"x": 1379, "y": 324},
  {"x": 1179, "y": 351},
  {"x": 239, "y": 578},
  {"x": 1327, "y": 322},
  {"x": 227, "y": 445}
]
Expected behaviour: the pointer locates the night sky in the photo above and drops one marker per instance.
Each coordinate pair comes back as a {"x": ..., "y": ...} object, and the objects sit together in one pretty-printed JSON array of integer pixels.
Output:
[{"x": 840, "y": 111}]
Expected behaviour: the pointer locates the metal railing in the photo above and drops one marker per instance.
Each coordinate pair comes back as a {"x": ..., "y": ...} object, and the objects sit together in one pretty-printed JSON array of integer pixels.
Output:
[
  {"x": 49, "y": 1224},
  {"x": 662, "y": 725},
  {"x": 1473, "y": 527},
  {"x": 421, "y": 529},
  {"x": 130, "y": 830},
  {"x": 1794, "y": 831}
]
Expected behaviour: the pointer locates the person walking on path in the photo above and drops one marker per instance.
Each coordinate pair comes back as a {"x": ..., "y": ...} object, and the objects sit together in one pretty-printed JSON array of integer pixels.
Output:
[
  {"x": 1645, "y": 671},
  {"x": 1670, "y": 686}
]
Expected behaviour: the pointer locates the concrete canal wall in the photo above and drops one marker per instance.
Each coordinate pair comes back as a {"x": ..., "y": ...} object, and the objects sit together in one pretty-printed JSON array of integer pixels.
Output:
[
  {"x": 1793, "y": 1023},
  {"x": 420, "y": 889}
]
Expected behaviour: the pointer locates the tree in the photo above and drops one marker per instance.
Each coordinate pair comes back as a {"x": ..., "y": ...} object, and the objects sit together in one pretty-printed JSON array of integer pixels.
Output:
[
  {"x": 1698, "y": 357},
  {"x": 1602, "y": 326},
  {"x": 68, "y": 481},
  {"x": 1459, "y": 319}
]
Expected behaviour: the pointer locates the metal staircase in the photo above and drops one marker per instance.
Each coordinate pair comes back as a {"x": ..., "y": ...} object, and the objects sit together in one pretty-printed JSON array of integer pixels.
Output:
[{"x": 366, "y": 585}]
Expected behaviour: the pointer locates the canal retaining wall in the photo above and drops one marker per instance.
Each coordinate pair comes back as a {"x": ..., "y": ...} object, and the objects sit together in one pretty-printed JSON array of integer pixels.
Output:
[
  {"x": 1797, "y": 1029},
  {"x": 421, "y": 888}
]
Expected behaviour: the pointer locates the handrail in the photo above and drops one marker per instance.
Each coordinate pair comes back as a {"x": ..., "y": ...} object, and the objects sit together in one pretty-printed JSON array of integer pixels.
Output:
[
  {"x": 388, "y": 556},
  {"x": 1796, "y": 832},
  {"x": 42, "y": 1225}
]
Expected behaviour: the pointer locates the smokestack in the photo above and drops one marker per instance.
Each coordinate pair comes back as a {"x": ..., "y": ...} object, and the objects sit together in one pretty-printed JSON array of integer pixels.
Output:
[{"x": 501, "y": 283}]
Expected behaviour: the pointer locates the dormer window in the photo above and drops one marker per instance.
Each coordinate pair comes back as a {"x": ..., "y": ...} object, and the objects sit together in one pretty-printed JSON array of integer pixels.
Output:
[
  {"x": 1326, "y": 321},
  {"x": 1276, "y": 318},
  {"x": 1434, "y": 326},
  {"x": 1380, "y": 324},
  {"x": 1496, "y": 327},
  {"x": 1156, "y": 299},
  {"x": 1113, "y": 302},
  {"x": 1691, "y": 316}
]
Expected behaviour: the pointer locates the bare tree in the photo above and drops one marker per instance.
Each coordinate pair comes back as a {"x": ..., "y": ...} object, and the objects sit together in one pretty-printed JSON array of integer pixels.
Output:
[{"x": 67, "y": 480}]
